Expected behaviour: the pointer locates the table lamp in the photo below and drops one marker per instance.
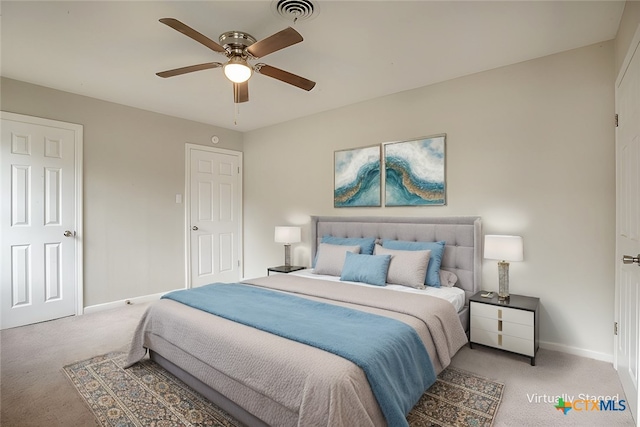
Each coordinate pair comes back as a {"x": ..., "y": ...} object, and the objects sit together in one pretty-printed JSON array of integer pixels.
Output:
[
  {"x": 504, "y": 249},
  {"x": 287, "y": 235}
]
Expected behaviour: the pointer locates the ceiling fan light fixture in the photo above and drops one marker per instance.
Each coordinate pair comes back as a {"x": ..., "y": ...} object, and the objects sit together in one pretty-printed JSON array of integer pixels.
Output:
[{"x": 237, "y": 70}]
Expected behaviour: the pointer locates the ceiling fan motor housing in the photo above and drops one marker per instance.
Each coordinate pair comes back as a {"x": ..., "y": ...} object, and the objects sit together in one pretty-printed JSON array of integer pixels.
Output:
[{"x": 235, "y": 42}]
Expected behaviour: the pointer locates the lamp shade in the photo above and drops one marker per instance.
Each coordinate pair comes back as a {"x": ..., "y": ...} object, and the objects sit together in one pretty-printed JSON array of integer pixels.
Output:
[
  {"x": 505, "y": 248},
  {"x": 287, "y": 234}
]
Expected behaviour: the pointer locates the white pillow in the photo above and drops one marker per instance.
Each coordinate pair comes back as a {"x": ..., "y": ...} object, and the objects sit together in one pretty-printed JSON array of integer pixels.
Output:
[
  {"x": 447, "y": 278},
  {"x": 407, "y": 268},
  {"x": 331, "y": 258}
]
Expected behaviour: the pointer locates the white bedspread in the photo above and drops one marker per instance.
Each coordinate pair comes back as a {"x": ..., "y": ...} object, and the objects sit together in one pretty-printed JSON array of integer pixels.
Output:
[{"x": 455, "y": 296}]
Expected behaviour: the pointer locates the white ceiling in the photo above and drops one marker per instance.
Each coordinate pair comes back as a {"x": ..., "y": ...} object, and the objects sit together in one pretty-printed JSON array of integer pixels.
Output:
[{"x": 354, "y": 50}]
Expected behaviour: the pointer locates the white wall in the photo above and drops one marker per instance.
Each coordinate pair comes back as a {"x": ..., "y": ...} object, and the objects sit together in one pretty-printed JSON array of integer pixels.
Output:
[
  {"x": 133, "y": 168},
  {"x": 530, "y": 148}
]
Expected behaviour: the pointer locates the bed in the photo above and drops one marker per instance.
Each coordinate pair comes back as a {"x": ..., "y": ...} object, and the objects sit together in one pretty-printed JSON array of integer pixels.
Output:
[{"x": 263, "y": 378}]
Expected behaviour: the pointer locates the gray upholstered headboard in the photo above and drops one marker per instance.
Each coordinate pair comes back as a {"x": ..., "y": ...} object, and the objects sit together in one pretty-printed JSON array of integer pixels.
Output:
[{"x": 462, "y": 254}]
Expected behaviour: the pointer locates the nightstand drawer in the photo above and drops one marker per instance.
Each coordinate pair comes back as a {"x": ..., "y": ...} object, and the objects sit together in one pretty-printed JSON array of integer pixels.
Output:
[
  {"x": 503, "y": 342},
  {"x": 502, "y": 313},
  {"x": 517, "y": 330}
]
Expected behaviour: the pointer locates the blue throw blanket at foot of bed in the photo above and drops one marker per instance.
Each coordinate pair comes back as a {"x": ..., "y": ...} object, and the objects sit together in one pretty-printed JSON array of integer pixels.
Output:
[{"x": 397, "y": 366}]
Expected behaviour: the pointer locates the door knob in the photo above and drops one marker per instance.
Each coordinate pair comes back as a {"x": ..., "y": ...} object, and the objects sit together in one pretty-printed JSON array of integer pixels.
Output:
[
  {"x": 628, "y": 259},
  {"x": 68, "y": 233},
  {"x": 194, "y": 228}
]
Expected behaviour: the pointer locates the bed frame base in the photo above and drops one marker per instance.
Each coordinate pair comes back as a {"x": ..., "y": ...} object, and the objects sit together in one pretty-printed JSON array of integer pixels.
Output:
[{"x": 212, "y": 395}]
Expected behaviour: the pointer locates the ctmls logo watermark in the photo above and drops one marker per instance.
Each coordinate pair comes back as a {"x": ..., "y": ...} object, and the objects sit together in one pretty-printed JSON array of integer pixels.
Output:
[
  {"x": 581, "y": 405},
  {"x": 581, "y": 402}
]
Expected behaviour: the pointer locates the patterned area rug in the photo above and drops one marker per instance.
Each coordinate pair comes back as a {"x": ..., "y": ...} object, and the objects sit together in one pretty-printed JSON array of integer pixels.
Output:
[
  {"x": 148, "y": 395},
  {"x": 458, "y": 398}
]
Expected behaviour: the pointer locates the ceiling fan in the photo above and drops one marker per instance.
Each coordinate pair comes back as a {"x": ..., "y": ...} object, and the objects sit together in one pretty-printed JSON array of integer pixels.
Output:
[{"x": 240, "y": 47}]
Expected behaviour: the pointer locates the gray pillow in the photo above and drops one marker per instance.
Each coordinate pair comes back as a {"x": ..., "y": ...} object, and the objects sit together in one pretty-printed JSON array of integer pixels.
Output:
[
  {"x": 331, "y": 258},
  {"x": 447, "y": 278},
  {"x": 407, "y": 268}
]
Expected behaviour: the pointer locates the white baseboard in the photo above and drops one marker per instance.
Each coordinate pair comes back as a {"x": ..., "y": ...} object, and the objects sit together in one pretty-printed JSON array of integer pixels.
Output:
[
  {"x": 605, "y": 357},
  {"x": 115, "y": 304}
]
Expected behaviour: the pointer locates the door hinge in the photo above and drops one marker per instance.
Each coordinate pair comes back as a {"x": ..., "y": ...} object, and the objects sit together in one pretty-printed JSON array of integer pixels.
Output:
[
  {"x": 616, "y": 119},
  {"x": 239, "y": 166},
  {"x": 615, "y": 328}
]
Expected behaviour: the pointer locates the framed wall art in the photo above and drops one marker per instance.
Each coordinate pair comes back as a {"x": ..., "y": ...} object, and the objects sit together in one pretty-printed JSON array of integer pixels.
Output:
[
  {"x": 415, "y": 172},
  {"x": 357, "y": 177}
]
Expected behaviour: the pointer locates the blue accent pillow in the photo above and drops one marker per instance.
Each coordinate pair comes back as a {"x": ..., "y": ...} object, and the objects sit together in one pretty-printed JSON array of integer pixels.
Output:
[
  {"x": 366, "y": 243},
  {"x": 437, "y": 251},
  {"x": 370, "y": 269}
]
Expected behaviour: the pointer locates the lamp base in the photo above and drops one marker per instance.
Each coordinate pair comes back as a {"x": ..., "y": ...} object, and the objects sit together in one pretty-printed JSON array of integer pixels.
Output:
[
  {"x": 287, "y": 255},
  {"x": 503, "y": 281}
]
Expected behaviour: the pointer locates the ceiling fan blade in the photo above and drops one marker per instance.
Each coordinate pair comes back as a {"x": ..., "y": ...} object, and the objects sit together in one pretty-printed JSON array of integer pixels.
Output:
[
  {"x": 189, "y": 69},
  {"x": 284, "y": 76},
  {"x": 275, "y": 42},
  {"x": 241, "y": 92},
  {"x": 190, "y": 32}
]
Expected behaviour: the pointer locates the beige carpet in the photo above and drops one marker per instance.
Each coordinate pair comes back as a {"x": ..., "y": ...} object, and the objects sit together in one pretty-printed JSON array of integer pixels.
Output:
[
  {"x": 555, "y": 374},
  {"x": 35, "y": 392},
  {"x": 148, "y": 395}
]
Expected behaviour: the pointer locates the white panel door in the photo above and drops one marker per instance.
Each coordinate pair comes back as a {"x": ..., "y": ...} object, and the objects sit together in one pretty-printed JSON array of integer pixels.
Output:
[
  {"x": 39, "y": 219},
  {"x": 627, "y": 344},
  {"x": 214, "y": 218}
]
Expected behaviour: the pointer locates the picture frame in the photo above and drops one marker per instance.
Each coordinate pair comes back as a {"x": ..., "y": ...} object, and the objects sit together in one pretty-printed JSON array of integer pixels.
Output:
[
  {"x": 358, "y": 177},
  {"x": 415, "y": 172}
]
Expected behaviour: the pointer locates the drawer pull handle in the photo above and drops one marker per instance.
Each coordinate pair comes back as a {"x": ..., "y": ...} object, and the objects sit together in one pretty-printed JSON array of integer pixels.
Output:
[
  {"x": 500, "y": 340},
  {"x": 499, "y": 325},
  {"x": 499, "y": 314}
]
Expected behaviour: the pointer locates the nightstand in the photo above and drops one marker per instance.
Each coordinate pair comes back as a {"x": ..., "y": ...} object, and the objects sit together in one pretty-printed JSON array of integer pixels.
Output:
[
  {"x": 511, "y": 325},
  {"x": 284, "y": 269}
]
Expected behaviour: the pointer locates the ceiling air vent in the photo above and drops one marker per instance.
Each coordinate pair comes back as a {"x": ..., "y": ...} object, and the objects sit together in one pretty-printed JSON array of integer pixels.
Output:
[{"x": 295, "y": 10}]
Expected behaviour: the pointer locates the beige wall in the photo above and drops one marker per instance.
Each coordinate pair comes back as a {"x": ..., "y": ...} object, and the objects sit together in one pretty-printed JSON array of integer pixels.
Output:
[
  {"x": 530, "y": 148},
  {"x": 133, "y": 168}
]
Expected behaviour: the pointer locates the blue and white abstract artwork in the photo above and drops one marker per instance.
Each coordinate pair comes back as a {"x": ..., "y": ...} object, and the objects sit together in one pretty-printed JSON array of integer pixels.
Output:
[
  {"x": 414, "y": 172},
  {"x": 357, "y": 177}
]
